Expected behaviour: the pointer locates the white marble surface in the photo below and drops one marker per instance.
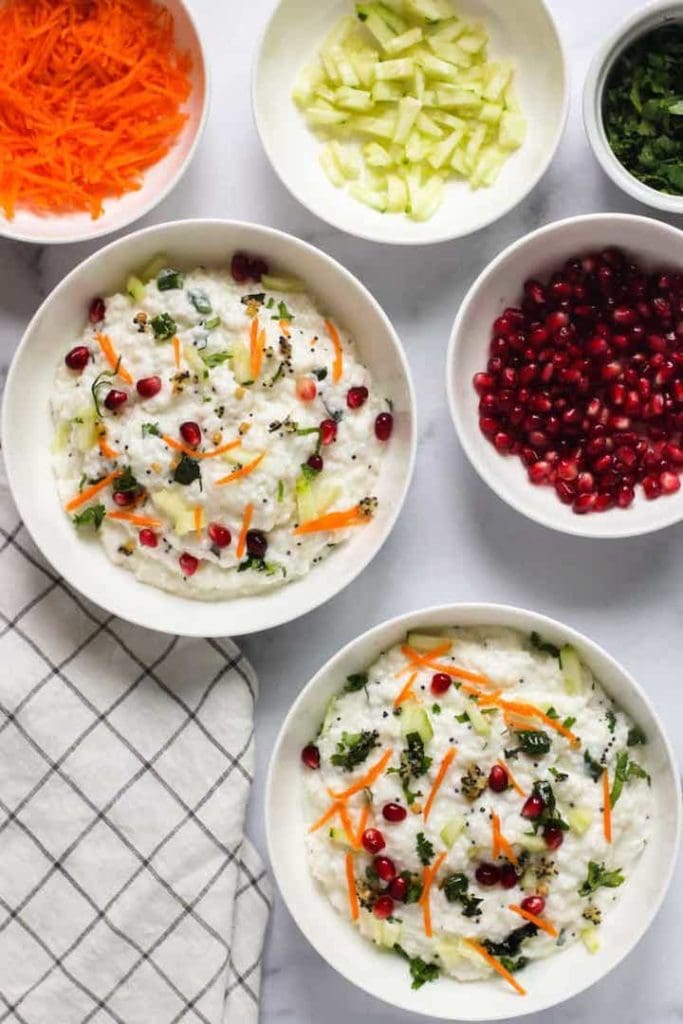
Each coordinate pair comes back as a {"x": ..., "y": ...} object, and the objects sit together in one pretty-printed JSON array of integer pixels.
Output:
[{"x": 627, "y": 595}]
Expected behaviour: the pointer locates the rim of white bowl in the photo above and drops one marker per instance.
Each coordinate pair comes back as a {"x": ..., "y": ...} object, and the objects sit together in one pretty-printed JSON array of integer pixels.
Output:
[
  {"x": 420, "y": 619},
  {"x": 445, "y": 236},
  {"x": 294, "y": 612},
  {"x": 627, "y": 32},
  {"x": 581, "y": 526},
  {"x": 154, "y": 201}
]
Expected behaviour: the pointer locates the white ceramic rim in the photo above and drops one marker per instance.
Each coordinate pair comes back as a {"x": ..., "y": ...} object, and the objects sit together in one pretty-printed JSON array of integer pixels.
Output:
[
  {"x": 639, "y": 23},
  {"x": 294, "y": 611},
  {"x": 482, "y": 467},
  {"x": 154, "y": 201},
  {"x": 421, "y": 619},
  {"x": 446, "y": 236}
]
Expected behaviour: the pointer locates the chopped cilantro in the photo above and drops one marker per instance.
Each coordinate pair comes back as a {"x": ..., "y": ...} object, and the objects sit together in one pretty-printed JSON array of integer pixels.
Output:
[
  {"x": 356, "y": 681},
  {"x": 420, "y": 971},
  {"x": 425, "y": 849},
  {"x": 611, "y": 720},
  {"x": 636, "y": 736},
  {"x": 169, "y": 280},
  {"x": 200, "y": 300},
  {"x": 164, "y": 326},
  {"x": 593, "y": 767},
  {"x": 213, "y": 359},
  {"x": 624, "y": 772},
  {"x": 540, "y": 644},
  {"x": 354, "y": 749},
  {"x": 187, "y": 471},
  {"x": 91, "y": 516},
  {"x": 151, "y": 429},
  {"x": 598, "y": 877}
]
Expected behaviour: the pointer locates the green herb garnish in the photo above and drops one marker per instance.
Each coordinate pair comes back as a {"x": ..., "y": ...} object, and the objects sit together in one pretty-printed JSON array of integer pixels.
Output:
[
  {"x": 200, "y": 300},
  {"x": 636, "y": 736},
  {"x": 611, "y": 719},
  {"x": 164, "y": 326},
  {"x": 593, "y": 767},
  {"x": 187, "y": 471},
  {"x": 623, "y": 773},
  {"x": 282, "y": 312},
  {"x": 354, "y": 749},
  {"x": 356, "y": 681},
  {"x": 213, "y": 359},
  {"x": 151, "y": 430},
  {"x": 510, "y": 946},
  {"x": 91, "y": 516},
  {"x": 260, "y": 565},
  {"x": 280, "y": 490},
  {"x": 598, "y": 877},
  {"x": 425, "y": 849},
  {"x": 536, "y": 743},
  {"x": 168, "y": 279},
  {"x": 213, "y": 323},
  {"x": 454, "y": 887},
  {"x": 542, "y": 645},
  {"x": 420, "y": 971}
]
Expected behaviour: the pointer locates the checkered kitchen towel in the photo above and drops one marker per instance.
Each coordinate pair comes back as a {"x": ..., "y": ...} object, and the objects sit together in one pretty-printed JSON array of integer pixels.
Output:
[{"x": 127, "y": 890}]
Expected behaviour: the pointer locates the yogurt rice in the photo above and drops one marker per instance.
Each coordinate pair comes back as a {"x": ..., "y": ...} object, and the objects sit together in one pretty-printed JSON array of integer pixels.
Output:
[{"x": 475, "y": 802}]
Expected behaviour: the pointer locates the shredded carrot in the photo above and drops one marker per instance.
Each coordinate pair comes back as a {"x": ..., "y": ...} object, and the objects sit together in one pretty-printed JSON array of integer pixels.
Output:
[
  {"x": 91, "y": 98},
  {"x": 198, "y": 521},
  {"x": 237, "y": 474},
  {"x": 130, "y": 517},
  {"x": 331, "y": 811},
  {"x": 338, "y": 364},
  {"x": 428, "y": 661},
  {"x": 368, "y": 779},
  {"x": 105, "y": 448},
  {"x": 416, "y": 660},
  {"x": 513, "y": 781},
  {"x": 90, "y": 492},
  {"x": 109, "y": 353},
  {"x": 438, "y": 781},
  {"x": 607, "y": 807},
  {"x": 406, "y": 692},
  {"x": 176, "y": 351},
  {"x": 500, "y": 843},
  {"x": 538, "y": 921},
  {"x": 496, "y": 965},
  {"x": 346, "y": 822},
  {"x": 428, "y": 876},
  {"x": 334, "y": 521},
  {"x": 351, "y": 886},
  {"x": 285, "y": 329},
  {"x": 523, "y": 710},
  {"x": 257, "y": 339},
  {"x": 246, "y": 523},
  {"x": 178, "y": 446},
  {"x": 362, "y": 822}
]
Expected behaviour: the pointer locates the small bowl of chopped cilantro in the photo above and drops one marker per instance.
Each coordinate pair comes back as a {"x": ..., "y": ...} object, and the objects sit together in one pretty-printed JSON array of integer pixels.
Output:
[{"x": 633, "y": 106}]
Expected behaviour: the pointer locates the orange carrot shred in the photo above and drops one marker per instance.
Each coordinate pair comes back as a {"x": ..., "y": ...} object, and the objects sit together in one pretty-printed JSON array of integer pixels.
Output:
[
  {"x": 428, "y": 876},
  {"x": 257, "y": 338},
  {"x": 496, "y": 965},
  {"x": 351, "y": 887},
  {"x": 438, "y": 781},
  {"x": 346, "y": 823},
  {"x": 513, "y": 781},
  {"x": 176, "y": 352},
  {"x": 538, "y": 921},
  {"x": 406, "y": 693},
  {"x": 334, "y": 521},
  {"x": 607, "y": 806},
  {"x": 105, "y": 448},
  {"x": 109, "y": 353},
  {"x": 368, "y": 779},
  {"x": 198, "y": 521},
  {"x": 500, "y": 843},
  {"x": 131, "y": 517},
  {"x": 237, "y": 474},
  {"x": 90, "y": 492},
  {"x": 338, "y": 364},
  {"x": 242, "y": 539},
  {"x": 178, "y": 446},
  {"x": 416, "y": 660},
  {"x": 327, "y": 816},
  {"x": 428, "y": 661}
]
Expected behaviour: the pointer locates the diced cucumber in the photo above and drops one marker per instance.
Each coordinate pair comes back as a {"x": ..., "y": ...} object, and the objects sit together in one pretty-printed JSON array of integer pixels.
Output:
[
  {"x": 386, "y": 933},
  {"x": 315, "y": 497},
  {"x": 491, "y": 113},
  {"x": 152, "y": 269},
  {"x": 500, "y": 75},
  {"x": 438, "y": 69},
  {"x": 86, "y": 429},
  {"x": 356, "y": 100},
  {"x": 534, "y": 844},
  {"x": 416, "y": 719},
  {"x": 453, "y": 950},
  {"x": 331, "y": 167},
  {"x": 419, "y": 84},
  {"x": 474, "y": 144},
  {"x": 447, "y": 31},
  {"x": 472, "y": 42},
  {"x": 380, "y": 127},
  {"x": 488, "y": 166},
  {"x": 397, "y": 194},
  {"x": 451, "y": 53},
  {"x": 425, "y": 642},
  {"x": 387, "y": 92},
  {"x": 591, "y": 939},
  {"x": 364, "y": 64},
  {"x": 428, "y": 126},
  {"x": 442, "y": 152},
  {"x": 388, "y": 70},
  {"x": 512, "y": 130},
  {"x": 194, "y": 360},
  {"x": 280, "y": 283},
  {"x": 171, "y": 503},
  {"x": 572, "y": 672},
  {"x": 370, "y": 197},
  {"x": 403, "y": 42},
  {"x": 348, "y": 160},
  {"x": 580, "y": 819},
  {"x": 60, "y": 440},
  {"x": 417, "y": 148},
  {"x": 376, "y": 155},
  {"x": 376, "y": 25},
  {"x": 136, "y": 288},
  {"x": 453, "y": 98},
  {"x": 451, "y": 830},
  {"x": 346, "y": 70},
  {"x": 430, "y": 10},
  {"x": 330, "y": 716},
  {"x": 320, "y": 117},
  {"x": 408, "y": 110},
  {"x": 307, "y": 81},
  {"x": 241, "y": 362}
]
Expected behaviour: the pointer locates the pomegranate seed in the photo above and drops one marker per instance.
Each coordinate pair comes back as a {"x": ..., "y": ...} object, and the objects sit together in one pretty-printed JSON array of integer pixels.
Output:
[
  {"x": 483, "y": 382},
  {"x": 625, "y": 497},
  {"x": 219, "y": 535},
  {"x": 124, "y": 498},
  {"x": 568, "y": 469},
  {"x": 356, "y": 397},
  {"x": 96, "y": 311},
  {"x": 440, "y": 683},
  {"x": 487, "y": 874},
  {"x": 585, "y": 503},
  {"x": 385, "y": 868},
  {"x": 115, "y": 399},
  {"x": 539, "y": 472},
  {"x": 498, "y": 779},
  {"x": 508, "y": 876},
  {"x": 565, "y": 492},
  {"x": 652, "y": 487},
  {"x": 383, "y": 908},
  {"x": 310, "y": 756},
  {"x": 188, "y": 564},
  {"x": 373, "y": 840},
  {"x": 384, "y": 424},
  {"x": 394, "y": 812},
  {"x": 670, "y": 482},
  {"x": 148, "y": 387},
  {"x": 315, "y": 462},
  {"x": 398, "y": 889},
  {"x": 78, "y": 358},
  {"x": 533, "y": 807},
  {"x": 239, "y": 267},
  {"x": 328, "y": 432},
  {"x": 191, "y": 433},
  {"x": 554, "y": 837},
  {"x": 533, "y": 905},
  {"x": 257, "y": 544},
  {"x": 148, "y": 538},
  {"x": 257, "y": 268}
]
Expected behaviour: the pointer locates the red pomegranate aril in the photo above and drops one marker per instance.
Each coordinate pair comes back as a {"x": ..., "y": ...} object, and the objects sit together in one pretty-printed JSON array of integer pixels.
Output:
[
  {"x": 533, "y": 905},
  {"x": 398, "y": 889},
  {"x": 533, "y": 806},
  {"x": 357, "y": 397},
  {"x": 674, "y": 454},
  {"x": 78, "y": 358},
  {"x": 306, "y": 389},
  {"x": 124, "y": 498},
  {"x": 148, "y": 387},
  {"x": 373, "y": 840},
  {"x": 219, "y": 535},
  {"x": 625, "y": 497},
  {"x": 441, "y": 683},
  {"x": 240, "y": 267},
  {"x": 385, "y": 868},
  {"x": 539, "y": 472},
  {"x": 503, "y": 442},
  {"x": 188, "y": 564},
  {"x": 383, "y": 907},
  {"x": 568, "y": 469},
  {"x": 115, "y": 399},
  {"x": 651, "y": 487},
  {"x": 556, "y": 320},
  {"x": 257, "y": 268},
  {"x": 585, "y": 483},
  {"x": 585, "y": 503},
  {"x": 96, "y": 311},
  {"x": 315, "y": 462},
  {"x": 508, "y": 876},
  {"x": 604, "y": 502},
  {"x": 384, "y": 425},
  {"x": 554, "y": 837},
  {"x": 310, "y": 756},
  {"x": 328, "y": 432},
  {"x": 487, "y": 874},
  {"x": 257, "y": 543},
  {"x": 499, "y": 779},
  {"x": 488, "y": 425},
  {"x": 483, "y": 382},
  {"x": 669, "y": 482},
  {"x": 148, "y": 538},
  {"x": 394, "y": 813},
  {"x": 191, "y": 433}
]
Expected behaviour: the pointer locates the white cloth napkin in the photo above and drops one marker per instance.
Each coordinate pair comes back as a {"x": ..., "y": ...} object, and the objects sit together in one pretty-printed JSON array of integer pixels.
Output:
[{"x": 127, "y": 890}]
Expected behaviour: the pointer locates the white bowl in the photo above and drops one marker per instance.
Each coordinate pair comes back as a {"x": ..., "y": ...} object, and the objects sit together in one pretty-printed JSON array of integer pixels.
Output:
[
  {"x": 549, "y": 981},
  {"x": 500, "y": 284},
  {"x": 27, "y": 428},
  {"x": 648, "y": 18},
  {"x": 157, "y": 182},
  {"x": 524, "y": 30}
]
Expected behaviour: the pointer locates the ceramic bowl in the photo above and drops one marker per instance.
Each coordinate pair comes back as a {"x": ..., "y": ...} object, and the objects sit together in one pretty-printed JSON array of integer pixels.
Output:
[
  {"x": 385, "y": 976},
  {"x": 642, "y": 22},
  {"x": 157, "y": 181},
  {"x": 651, "y": 243},
  {"x": 27, "y": 427},
  {"x": 524, "y": 30}
]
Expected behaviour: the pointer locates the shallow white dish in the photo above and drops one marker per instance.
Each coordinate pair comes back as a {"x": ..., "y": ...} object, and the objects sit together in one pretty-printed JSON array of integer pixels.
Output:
[
  {"x": 646, "y": 20},
  {"x": 500, "y": 285},
  {"x": 385, "y": 976},
  {"x": 158, "y": 180},
  {"x": 27, "y": 428},
  {"x": 522, "y": 29}
]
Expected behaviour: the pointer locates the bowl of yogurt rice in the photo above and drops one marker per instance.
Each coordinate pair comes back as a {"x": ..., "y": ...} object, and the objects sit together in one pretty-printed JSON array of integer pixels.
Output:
[
  {"x": 473, "y": 812},
  {"x": 220, "y": 428}
]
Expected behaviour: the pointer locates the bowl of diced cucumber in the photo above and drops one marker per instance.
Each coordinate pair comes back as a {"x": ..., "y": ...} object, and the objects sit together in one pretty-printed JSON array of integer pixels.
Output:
[{"x": 410, "y": 121}]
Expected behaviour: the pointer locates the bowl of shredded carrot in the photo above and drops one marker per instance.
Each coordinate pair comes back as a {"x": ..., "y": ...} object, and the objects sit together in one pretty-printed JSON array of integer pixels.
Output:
[{"x": 102, "y": 105}]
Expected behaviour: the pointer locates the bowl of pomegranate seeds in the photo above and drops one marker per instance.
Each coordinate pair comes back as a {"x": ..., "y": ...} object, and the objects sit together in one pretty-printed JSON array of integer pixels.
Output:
[
  {"x": 214, "y": 440},
  {"x": 565, "y": 375},
  {"x": 473, "y": 812}
]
